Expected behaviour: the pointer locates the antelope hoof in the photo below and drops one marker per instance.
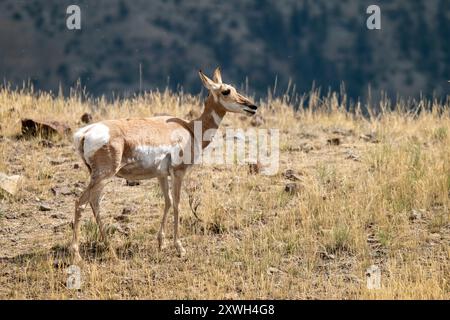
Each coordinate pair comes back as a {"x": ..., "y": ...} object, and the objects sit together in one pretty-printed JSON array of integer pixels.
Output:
[
  {"x": 180, "y": 249},
  {"x": 161, "y": 242},
  {"x": 76, "y": 258}
]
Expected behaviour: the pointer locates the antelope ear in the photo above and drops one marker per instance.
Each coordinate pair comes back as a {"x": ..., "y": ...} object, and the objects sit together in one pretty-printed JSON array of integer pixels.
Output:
[
  {"x": 207, "y": 82},
  {"x": 217, "y": 76}
]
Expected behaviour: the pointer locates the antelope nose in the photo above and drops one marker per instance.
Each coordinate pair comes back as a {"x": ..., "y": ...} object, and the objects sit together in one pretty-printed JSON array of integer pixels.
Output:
[{"x": 252, "y": 106}]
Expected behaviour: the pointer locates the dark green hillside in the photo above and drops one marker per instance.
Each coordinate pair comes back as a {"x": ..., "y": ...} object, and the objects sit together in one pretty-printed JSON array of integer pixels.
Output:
[{"x": 320, "y": 41}]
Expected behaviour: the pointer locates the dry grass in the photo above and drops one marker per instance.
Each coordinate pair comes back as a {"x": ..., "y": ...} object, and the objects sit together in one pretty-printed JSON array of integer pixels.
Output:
[{"x": 254, "y": 240}]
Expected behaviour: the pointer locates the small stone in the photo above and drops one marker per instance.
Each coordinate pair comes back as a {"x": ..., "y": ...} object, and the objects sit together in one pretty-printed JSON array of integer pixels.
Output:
[
  {"x": 46, "y": 143},
  {"x": 122, "y": 218},
  {"x": 327, "y": 256},
  {"x": 372, "y": 239},
  {"x": 111, "y": 228},
  {"x": 351, "y": 278},
  {"x": 369, "y": 137},
  {"x": 306, "y": 147},
  {"x": 272, "y": 270},
  {"x": 9, "y": 184},
  {"x": 44, "y": 207},
  {"x": 86, "y": 118},
  {"x": 334, "y": 141},
  {"x": 291, "y": 188},
  {"x": 79, "y": 184},
  {"x": 62, "y": 226},
  {"x": 342, "y": 132},
  {"x": 435, "y": 236},
  {"x": 352, "y": 156},
  {"x": 57, "y": 162},
  {"x": 291, "y": 175},
  {"x": 415, "y": 215},
  {"x": 65, "y": 191},
  {"x": 127, "y": 210},
  {"x": 132, "y": 183},
  {"x": 44, "y": 129}
]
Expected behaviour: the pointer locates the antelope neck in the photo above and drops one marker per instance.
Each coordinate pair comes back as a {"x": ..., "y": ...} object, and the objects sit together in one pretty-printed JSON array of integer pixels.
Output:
[{"x": 210, "y": 119}]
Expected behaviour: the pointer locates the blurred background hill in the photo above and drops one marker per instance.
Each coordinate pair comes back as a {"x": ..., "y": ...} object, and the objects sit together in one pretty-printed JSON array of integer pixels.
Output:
[{"x": 254, "y": 41}]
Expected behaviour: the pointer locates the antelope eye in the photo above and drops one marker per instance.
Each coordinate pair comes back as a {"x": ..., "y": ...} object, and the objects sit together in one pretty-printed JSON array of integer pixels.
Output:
[{"x": 226, "y": 92}]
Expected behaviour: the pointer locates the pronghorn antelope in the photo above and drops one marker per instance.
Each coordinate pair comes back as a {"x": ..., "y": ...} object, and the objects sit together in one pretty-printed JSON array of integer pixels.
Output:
[{"x": 146, "y": 148}]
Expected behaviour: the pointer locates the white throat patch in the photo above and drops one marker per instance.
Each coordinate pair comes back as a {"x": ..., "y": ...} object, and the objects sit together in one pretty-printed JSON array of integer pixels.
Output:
[{"x": 232, "y": 106}]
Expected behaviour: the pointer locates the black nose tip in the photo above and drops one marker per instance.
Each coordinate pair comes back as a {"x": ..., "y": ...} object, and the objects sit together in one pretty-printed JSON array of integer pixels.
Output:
[{"x": 252, "y": 106}]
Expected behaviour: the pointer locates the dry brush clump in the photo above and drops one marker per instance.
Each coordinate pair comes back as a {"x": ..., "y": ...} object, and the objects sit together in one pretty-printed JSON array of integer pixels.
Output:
[{"x": 379, "y": 195}]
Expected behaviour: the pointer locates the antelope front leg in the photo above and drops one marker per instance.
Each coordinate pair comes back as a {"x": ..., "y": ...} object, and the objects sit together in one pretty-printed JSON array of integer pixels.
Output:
[
  {"x": 177, "y": 179},
  {"x": 164, "y": 184}
]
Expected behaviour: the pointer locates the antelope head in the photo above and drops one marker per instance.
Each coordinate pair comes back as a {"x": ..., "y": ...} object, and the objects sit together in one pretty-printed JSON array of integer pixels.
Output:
[{"x": 226, "y": 95}]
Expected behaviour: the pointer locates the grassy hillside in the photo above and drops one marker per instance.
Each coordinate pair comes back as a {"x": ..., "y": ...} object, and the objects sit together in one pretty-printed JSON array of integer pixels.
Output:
[{"x": 378, "y": 195}]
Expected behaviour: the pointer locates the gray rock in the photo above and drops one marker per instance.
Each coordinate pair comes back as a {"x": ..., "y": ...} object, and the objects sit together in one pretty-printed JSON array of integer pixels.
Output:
[
  {"x": 9, "y": 184},
  {"x": 44, "y": 207}
]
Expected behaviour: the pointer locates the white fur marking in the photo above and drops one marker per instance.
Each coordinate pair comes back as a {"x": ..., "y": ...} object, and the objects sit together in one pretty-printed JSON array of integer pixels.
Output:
[
  {"x": 153, "y": 156},
  {"x": 232, "y": 106},
  {"x": 78, "y": 135},
  {"x": 95, "y": 136}
]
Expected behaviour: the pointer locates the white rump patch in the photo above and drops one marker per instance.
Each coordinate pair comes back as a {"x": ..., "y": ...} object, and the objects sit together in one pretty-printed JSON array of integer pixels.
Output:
[
  {"x": 78, "y": 135},
  {"x": 95, "y": 136}
]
